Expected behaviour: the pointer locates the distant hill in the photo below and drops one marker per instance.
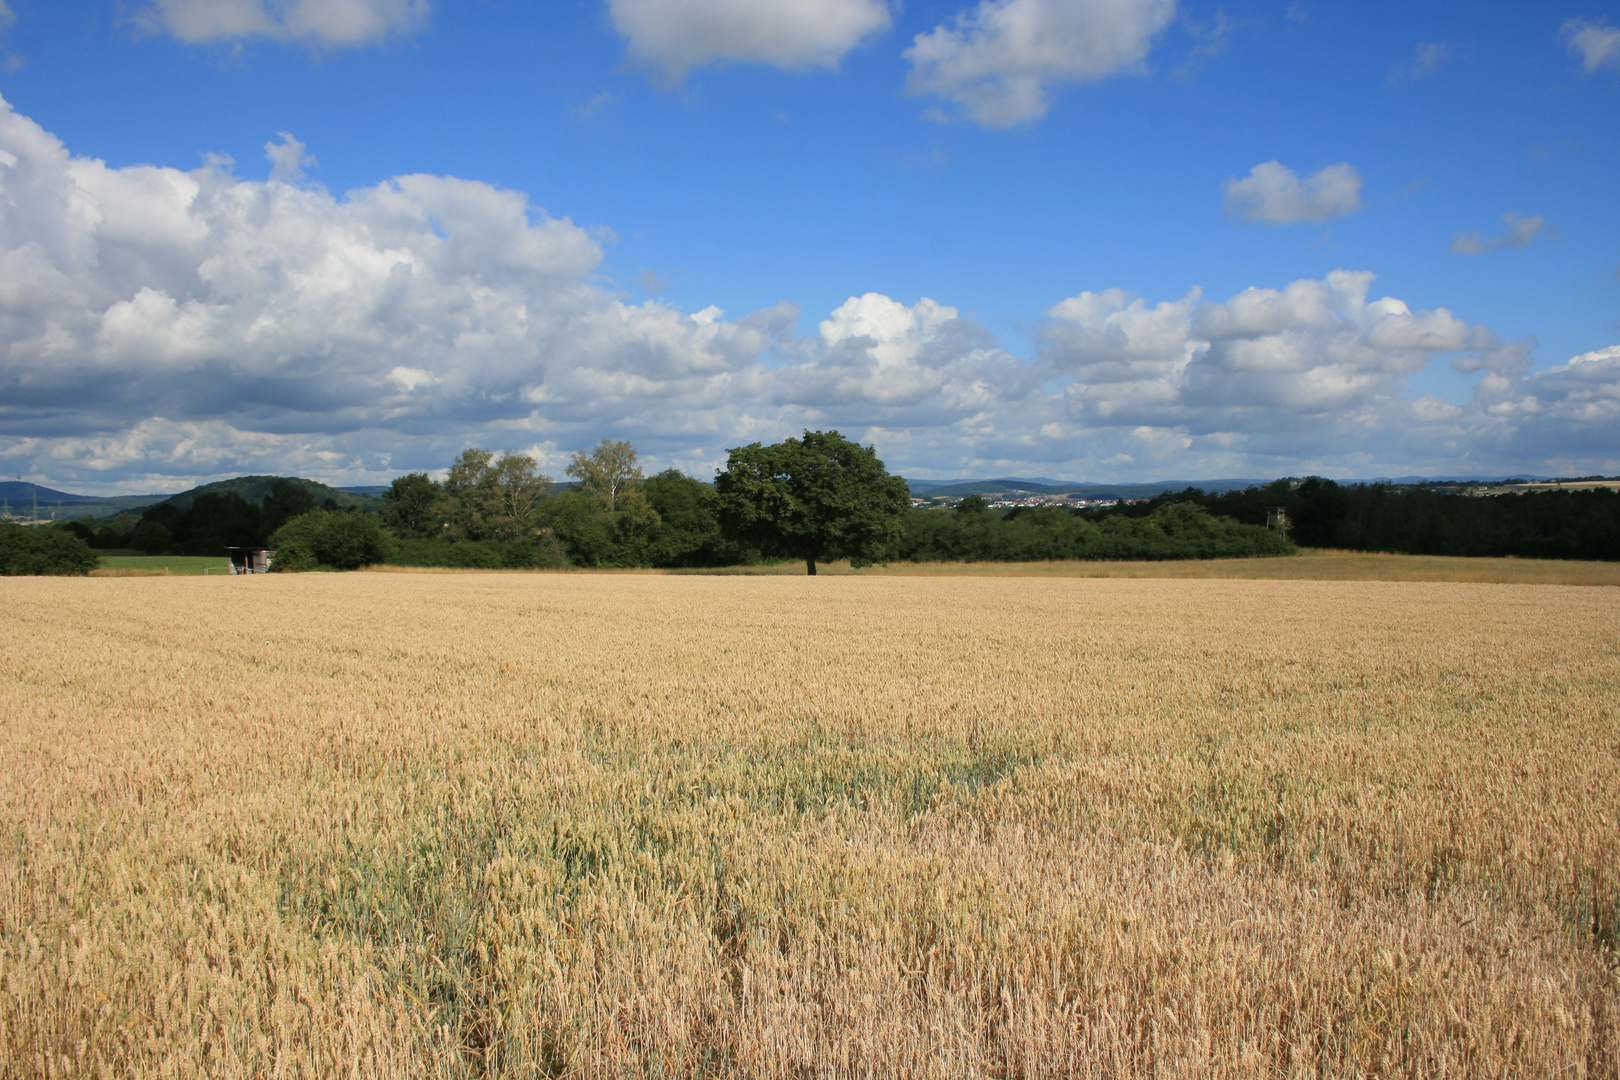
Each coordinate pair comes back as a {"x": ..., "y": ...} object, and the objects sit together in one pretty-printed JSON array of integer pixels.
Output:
[
  {"x": 1012, "y": 485},
  {"x": 1006, "y": 483},
  {"x": 21, "y": 497},
  {"x": 22, "y": 489},
  {"x": 255, "y": 488},
  {"x": 956, "y": 489}
]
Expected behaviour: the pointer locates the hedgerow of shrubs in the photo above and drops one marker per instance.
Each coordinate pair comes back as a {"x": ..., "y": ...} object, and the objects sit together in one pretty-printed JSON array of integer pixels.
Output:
[
  {"x": 477, "y": 554},
  {"x": 329, "y": 539},
  {"x": 1175, "y": 531},
  {"x": 33, "y": 549}
]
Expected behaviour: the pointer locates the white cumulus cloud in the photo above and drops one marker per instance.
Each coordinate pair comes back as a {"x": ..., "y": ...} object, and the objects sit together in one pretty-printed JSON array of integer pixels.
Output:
[
  {"x": 1314, "y": 368},
  {"x": 678, "y": 35},
  {"x": 327, "y": 23},
  {"x": 424, "y": 307},
  {"x": 1598, "y": 356},
  {"x": 1596, "y": 43},
  {"x": 1274, "y": 193},
  {"x": 162, "y": 326},
  {"x": 877, "y": 351},
  {"x": 287, "y": 159},
  {"x": 999, "y": 62}
]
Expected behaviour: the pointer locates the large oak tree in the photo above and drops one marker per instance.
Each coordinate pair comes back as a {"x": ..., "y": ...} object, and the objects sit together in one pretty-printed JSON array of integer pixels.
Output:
[{"x": 815, "y": 498}]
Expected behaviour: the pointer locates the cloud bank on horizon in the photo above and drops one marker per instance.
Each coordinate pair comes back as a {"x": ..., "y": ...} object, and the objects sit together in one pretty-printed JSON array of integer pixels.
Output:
[{"x": 160, "y": 325}]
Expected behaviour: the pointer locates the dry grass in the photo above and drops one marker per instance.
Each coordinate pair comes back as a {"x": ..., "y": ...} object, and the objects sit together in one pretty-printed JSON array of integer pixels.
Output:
[
  {"x": 126, "y": 571},
  {"x": 1308, "y": 565},
  {"x": 950, "y": 826},
  {"x": 160, "y": 565}
]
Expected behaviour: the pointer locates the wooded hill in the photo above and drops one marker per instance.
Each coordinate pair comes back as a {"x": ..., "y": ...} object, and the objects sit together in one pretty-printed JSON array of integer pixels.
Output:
[
  {"x": 1013, "y": 487},
  {"x": 23, "y": 498},
  {"x": 255, "y": 489}
]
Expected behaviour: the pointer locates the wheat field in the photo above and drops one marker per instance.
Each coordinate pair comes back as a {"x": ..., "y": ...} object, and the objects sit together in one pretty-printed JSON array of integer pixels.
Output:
[{"x": 389, "y": 825}]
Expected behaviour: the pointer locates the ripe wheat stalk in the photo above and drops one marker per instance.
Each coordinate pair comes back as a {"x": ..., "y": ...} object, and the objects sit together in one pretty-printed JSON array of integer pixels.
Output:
[{"x": 611, "y": 826}]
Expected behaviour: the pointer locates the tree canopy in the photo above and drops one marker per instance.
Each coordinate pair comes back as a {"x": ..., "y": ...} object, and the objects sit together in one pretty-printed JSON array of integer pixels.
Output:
[
  {"x": 285, "y": 501},
  {"x": 340, "y": 539},
  {"x": 1171, "y": 531},
  {"x": 489, "y": 498},
  {"x": 411, "y": 505},
  {"x": 607, "y": 472},
  {"x": 1424, "y": 519},
  {"x": 33, "y": 549},
  {"x": 814, "y": 498}
]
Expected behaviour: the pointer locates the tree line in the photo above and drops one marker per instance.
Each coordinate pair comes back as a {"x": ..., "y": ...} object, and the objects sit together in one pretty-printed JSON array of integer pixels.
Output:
[
  {"x": 972, "y": 532},
  {"x": 501, "y": 512},
  {"x": 1421, "y": 519},
  {"x": 813, "y": 498}
]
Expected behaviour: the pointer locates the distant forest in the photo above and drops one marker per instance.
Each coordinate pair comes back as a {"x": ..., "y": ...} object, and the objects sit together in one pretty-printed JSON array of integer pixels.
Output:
[
  {"x": 500, "y": 512},
  {"x": 1422, "y": 519}
]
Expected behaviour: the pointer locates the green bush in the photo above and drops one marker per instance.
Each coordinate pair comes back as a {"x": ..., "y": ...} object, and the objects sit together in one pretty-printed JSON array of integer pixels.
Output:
[
  {"x": 338, "y": 539},
  {"x": 478, "y": 554},
  {"x": 35, "y": 549}
]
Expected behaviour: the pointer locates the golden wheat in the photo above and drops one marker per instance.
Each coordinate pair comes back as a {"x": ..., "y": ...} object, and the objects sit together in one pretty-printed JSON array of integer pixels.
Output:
[{"x": 778, "y": 827}]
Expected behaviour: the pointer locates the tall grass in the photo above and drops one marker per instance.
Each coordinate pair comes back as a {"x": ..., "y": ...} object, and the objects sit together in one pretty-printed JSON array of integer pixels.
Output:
[{"x": 593, "y": 826}]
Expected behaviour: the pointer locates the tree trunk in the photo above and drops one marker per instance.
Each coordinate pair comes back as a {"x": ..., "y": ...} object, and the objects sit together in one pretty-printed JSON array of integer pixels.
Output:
[{"x": 810, "y": 565}]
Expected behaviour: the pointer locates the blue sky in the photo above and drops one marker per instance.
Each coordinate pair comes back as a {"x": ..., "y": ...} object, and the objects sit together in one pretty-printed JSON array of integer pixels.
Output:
[{"x": 1091, "y": 239}]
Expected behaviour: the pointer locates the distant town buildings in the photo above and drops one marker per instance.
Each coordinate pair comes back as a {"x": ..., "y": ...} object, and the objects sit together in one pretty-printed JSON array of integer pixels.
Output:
[{"x": 1025, "y": 501}]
